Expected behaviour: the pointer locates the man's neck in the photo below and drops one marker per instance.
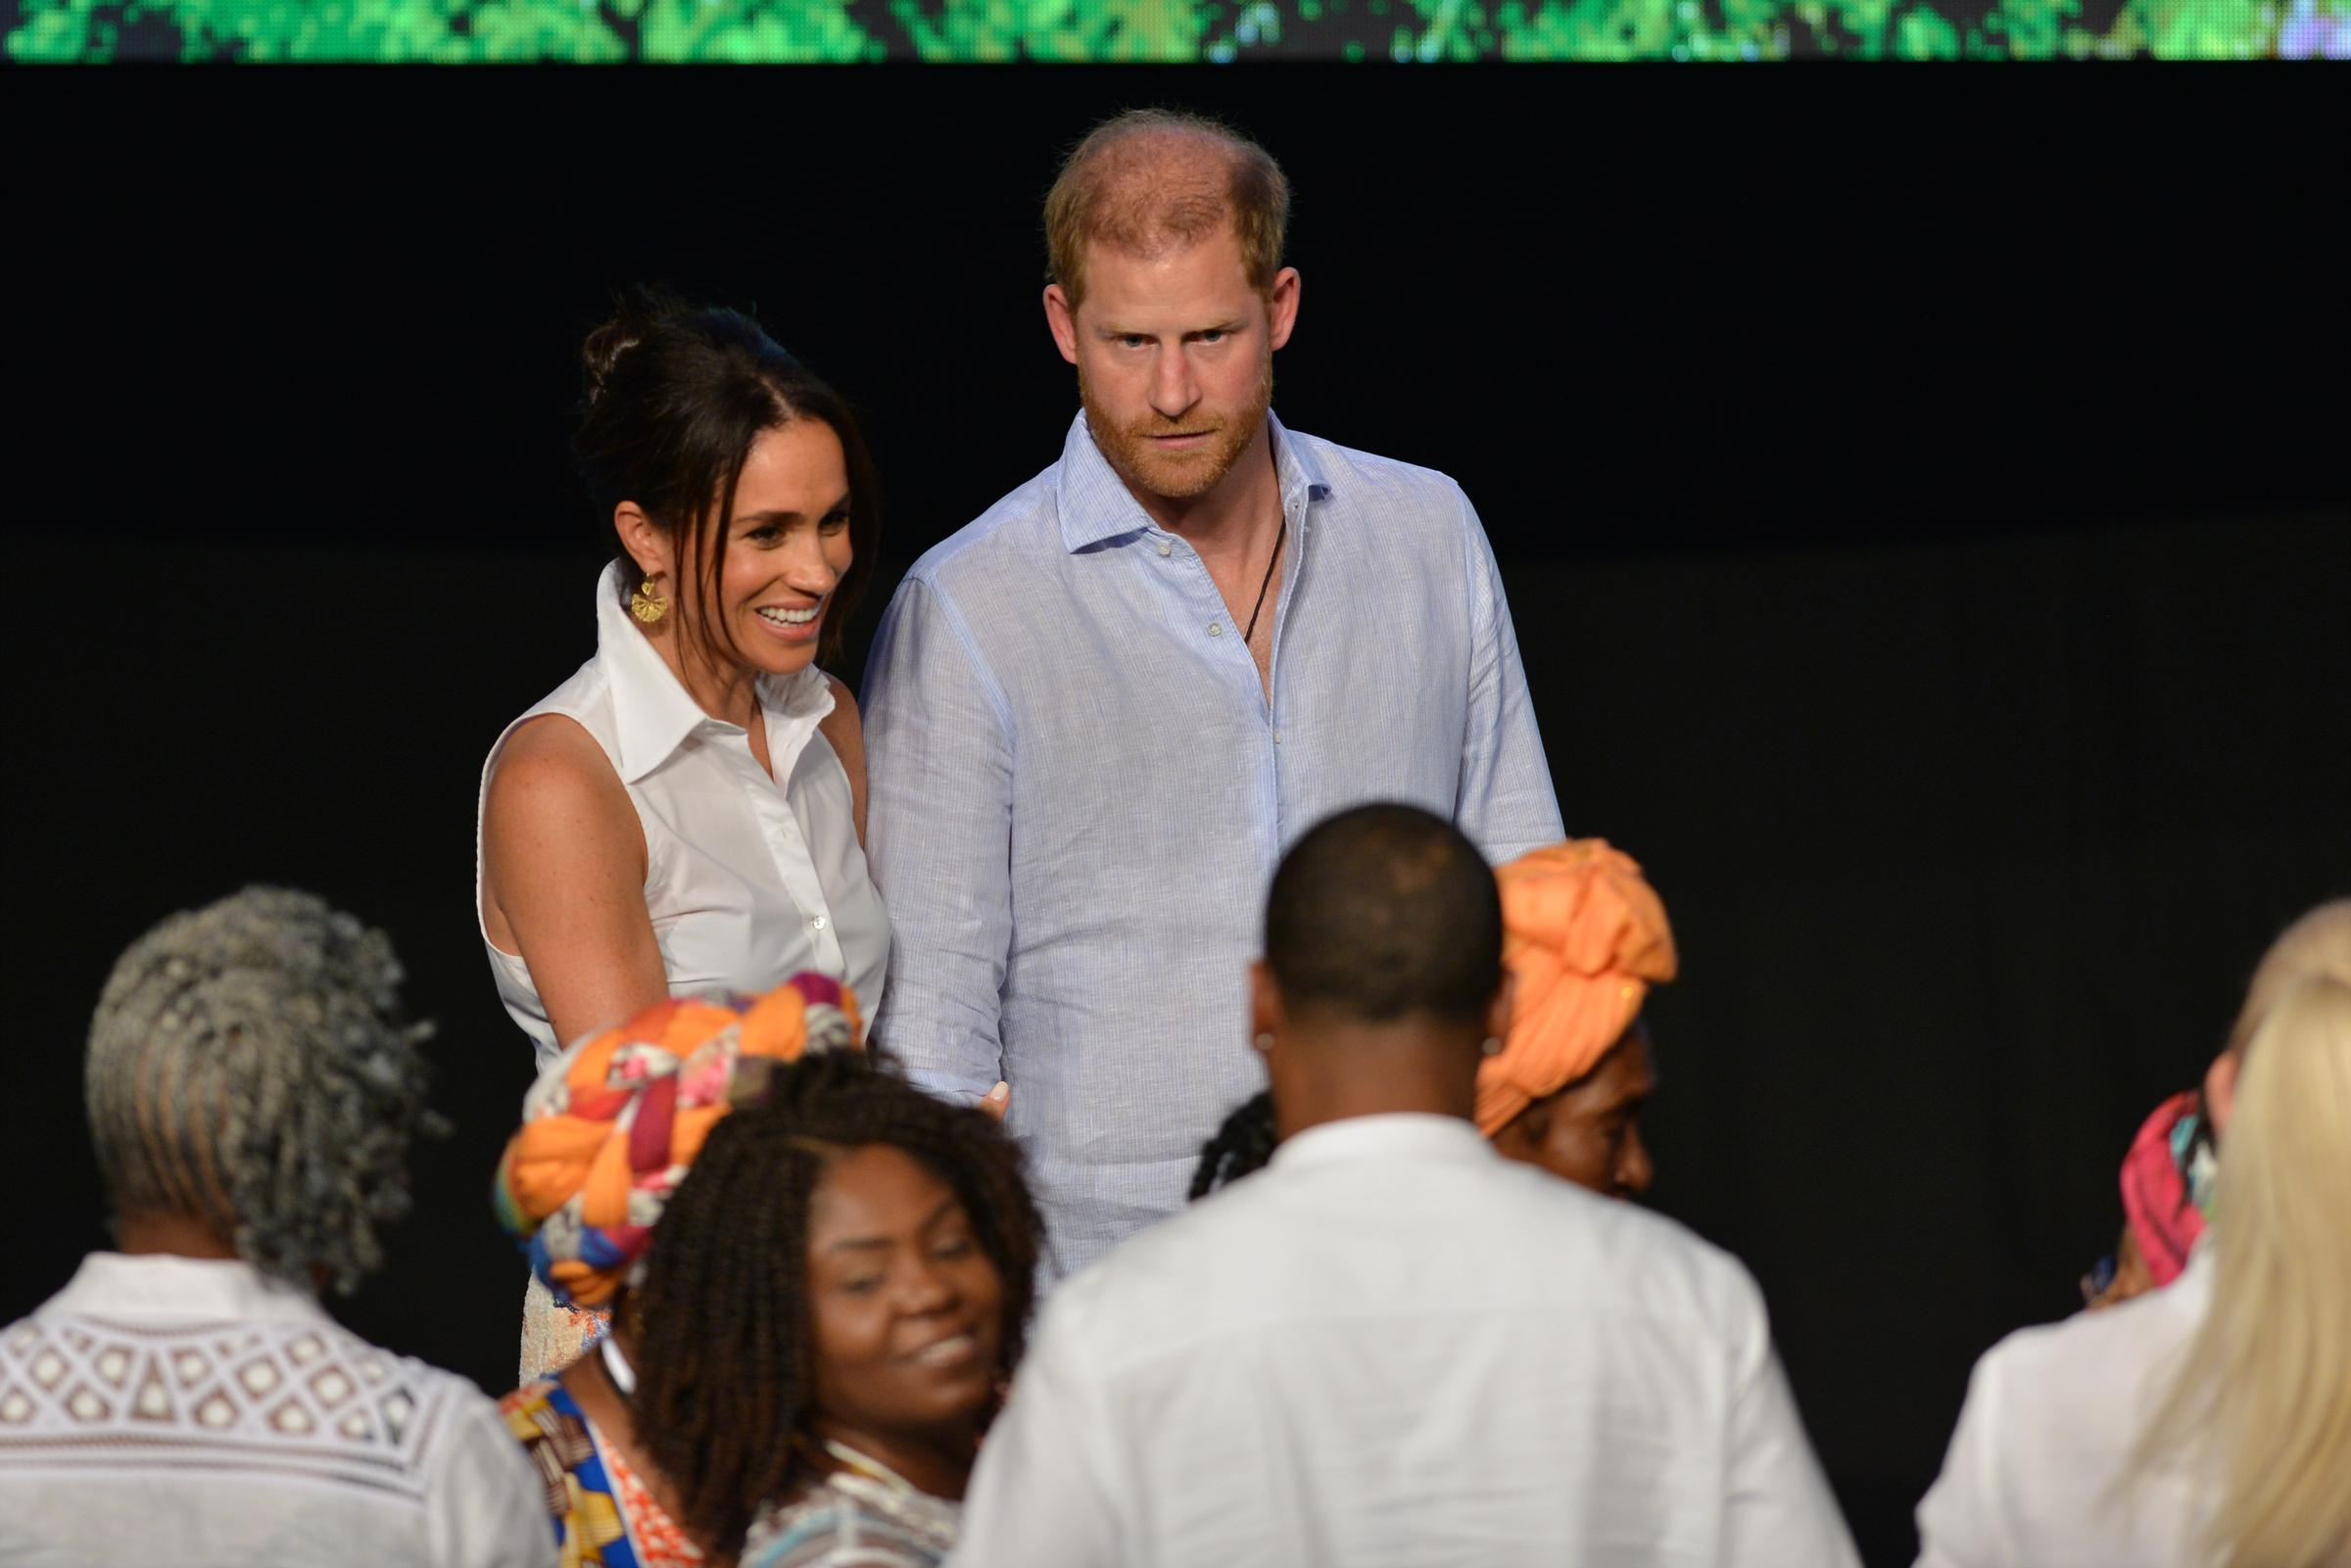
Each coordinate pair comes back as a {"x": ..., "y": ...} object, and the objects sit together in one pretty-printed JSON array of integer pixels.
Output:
[
  {"x": 1233, "y": 515},
  {"x": 1337, "y": 1073}
]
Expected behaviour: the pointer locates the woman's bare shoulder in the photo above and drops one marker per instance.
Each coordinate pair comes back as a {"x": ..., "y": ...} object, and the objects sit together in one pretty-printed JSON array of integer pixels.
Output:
[{"x": 551, "y": 766}]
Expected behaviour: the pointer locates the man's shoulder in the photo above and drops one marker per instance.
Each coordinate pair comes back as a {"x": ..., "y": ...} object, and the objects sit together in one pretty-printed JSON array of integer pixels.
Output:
[
  {"x": 1008, "y": 538},
  {"x": 1353, "y": 474}
]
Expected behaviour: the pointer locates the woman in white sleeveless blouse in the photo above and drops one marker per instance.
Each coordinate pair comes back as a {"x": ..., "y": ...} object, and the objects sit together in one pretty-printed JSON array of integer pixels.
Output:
[{"x": 687, "y": 812}]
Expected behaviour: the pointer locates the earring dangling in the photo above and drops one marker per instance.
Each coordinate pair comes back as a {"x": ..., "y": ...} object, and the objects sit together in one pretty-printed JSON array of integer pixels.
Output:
[
  {"x": 1263, "y": 1043},
  {"x": 1492, "y": 1046},
  {"x": 646, "y": 604}
]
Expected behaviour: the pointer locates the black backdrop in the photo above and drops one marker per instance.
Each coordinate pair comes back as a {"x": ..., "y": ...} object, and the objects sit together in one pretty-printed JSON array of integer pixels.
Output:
[{"x": 1922, "y": 495}]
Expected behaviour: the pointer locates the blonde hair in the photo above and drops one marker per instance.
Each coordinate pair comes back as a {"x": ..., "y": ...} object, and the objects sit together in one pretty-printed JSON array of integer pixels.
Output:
[
  {"x": 2264, "y": 1394},
  {"x": 1159, "y": 178},
  {"x": 2319, "y": 943}
]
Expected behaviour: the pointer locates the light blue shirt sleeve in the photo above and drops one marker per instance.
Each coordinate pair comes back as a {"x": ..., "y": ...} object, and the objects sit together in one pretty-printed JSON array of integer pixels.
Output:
[
  {"x": 939, "y": 836},
  {"x": 1506, "y": 805}
]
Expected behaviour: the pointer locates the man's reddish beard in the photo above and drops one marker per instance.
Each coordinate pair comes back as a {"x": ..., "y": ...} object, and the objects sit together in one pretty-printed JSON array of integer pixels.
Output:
[{"x": 1182, "y": 476}]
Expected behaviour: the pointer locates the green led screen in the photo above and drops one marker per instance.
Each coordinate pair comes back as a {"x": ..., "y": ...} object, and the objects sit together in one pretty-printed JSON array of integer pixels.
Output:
[{"x": 1210, "y": 32}]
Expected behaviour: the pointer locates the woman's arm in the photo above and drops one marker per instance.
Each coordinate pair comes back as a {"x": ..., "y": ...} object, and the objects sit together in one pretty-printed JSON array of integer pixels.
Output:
[
  {"x": 843, "y": 731},
  {"x": 563, "y": 879}
]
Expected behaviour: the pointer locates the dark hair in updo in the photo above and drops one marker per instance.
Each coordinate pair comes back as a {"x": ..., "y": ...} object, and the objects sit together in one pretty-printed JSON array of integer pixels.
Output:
[{"x": 676, "y": 397}]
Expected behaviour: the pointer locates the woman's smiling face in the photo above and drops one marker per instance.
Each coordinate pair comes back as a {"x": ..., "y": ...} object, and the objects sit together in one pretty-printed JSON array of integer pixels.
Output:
[
  {"x": 906, "y": 1307},
  {"x": 787, "y": 546}
]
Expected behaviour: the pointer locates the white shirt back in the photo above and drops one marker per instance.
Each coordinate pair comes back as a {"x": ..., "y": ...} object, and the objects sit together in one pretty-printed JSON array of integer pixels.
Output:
[
  {"x": 2037, "y": 1469},
  {"x": 749, "y": 880},
  {"x": 187, "y": 1412},
  {"x": 1390, "y": 1348}
]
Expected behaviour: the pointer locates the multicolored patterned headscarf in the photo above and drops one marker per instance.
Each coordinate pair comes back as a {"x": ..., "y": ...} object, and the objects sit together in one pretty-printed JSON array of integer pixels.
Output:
[
  {"x": 613, "y": 1125},
  {"x": 1584, "y": 937},
  {"x": 2167, "y": 1181}
]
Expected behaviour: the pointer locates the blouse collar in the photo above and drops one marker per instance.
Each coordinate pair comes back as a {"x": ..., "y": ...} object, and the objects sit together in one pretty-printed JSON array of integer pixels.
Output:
[{"x": 652, "y": 708}]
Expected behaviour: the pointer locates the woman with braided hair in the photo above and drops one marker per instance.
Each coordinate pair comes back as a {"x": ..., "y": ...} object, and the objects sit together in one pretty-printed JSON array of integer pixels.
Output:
[
  {"x": 1584, "y": 937},
  {"x": 253, "y": 1084},
  {"x": 818, "y": 1279}
]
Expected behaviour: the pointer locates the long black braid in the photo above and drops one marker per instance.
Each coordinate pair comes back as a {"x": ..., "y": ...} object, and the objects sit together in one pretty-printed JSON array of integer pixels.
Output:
[
  {"x": 721, "y": 1322},
  {"x": 1243, "y": 1144}
]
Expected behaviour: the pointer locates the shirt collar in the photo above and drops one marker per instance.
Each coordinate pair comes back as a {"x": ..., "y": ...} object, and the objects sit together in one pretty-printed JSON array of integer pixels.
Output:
[
  {"x": 1394, "y": 1136},
  {"x": 167, "y": 1287},
  {"x": 1095, "y": 503},
  {"x": 652, "y": 708}
]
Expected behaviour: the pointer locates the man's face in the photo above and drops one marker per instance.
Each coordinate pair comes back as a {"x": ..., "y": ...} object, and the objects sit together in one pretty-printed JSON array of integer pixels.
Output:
[
  {"x": 1174, "y": 356},
  {"x": 1590, "y": 1132}
]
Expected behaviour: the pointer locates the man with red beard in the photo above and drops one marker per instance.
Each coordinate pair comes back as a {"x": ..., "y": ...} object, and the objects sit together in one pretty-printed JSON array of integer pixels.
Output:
[{"x": 1097, "y": 715}]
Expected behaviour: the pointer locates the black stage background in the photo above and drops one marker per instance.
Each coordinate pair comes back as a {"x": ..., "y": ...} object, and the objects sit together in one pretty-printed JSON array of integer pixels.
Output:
[{"x": 1922, "y": 494}]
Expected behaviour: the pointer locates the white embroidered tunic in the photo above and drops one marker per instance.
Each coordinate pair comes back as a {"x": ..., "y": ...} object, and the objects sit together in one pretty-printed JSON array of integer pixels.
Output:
[
  {"x": 749, "y": 880},
  {"x": 192, "y": 1411}
]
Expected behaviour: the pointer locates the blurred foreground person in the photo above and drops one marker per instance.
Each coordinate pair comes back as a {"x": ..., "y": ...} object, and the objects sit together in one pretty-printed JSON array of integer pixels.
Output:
[
  {"x": 817, "y": 1278},
  {"x": 253, "y": 1088},
  {"x": 1394, "y": 1347},
  {"x": 2167, "y": 1175},
  {"x": 1583, "y": 937},
  {"x": 2208, "y": 1423}
]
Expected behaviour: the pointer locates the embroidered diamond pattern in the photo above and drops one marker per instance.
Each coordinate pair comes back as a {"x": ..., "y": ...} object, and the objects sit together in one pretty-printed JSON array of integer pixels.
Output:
[
  {"x": 315, "y": 1394},
  {"x": 153, "y": 1400},
  {"x": 332, "y": 1386}
]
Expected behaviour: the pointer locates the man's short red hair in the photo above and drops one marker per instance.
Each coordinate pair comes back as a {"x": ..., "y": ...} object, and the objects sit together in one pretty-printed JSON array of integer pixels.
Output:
[{"x": 1154, "y": 179}]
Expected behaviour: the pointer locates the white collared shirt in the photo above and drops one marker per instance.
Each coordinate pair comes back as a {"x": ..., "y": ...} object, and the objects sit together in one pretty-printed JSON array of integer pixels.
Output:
[
  {"x": 1393, "y": 1346},
  {"x": 191, "y": 1412},
  {"x": 2036, "y": 1468},
  {"x": 749, "y": 880}
]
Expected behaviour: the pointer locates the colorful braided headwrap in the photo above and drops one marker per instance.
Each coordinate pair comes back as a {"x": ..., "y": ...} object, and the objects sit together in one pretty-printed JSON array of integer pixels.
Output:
[
  {"x": 613, "y": 1125},
  {"x": 1584, "y": 937}
]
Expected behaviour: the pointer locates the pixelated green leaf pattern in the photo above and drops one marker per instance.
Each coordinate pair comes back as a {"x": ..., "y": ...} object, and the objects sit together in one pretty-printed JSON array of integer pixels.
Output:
[{"x": 589, "y": 31}]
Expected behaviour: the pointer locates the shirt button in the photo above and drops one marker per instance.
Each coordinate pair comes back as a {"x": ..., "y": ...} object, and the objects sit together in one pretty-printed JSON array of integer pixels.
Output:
[
  {"x": 816, "y": 922},
  {"x": 1216, "y": 629},
  {"x": 1165, "y": 547},
  {"x": 1277, "y": 738}
]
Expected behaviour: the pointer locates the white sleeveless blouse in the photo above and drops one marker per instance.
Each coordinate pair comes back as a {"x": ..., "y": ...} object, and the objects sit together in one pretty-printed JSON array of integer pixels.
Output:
[{"x": 749, "y": 879}]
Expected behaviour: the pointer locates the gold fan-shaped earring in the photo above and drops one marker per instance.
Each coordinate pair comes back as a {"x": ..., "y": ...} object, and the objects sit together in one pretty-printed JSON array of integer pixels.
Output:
[{"x": 646, "y": 604}]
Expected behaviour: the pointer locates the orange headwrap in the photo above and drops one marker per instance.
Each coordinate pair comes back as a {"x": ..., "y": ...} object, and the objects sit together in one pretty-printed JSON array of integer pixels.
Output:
[{"x": 1584, "y": 937}]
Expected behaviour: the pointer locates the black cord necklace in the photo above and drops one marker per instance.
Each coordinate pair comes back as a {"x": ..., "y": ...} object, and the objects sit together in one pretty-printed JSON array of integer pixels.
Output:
[{"x": 1279, "y": 536}]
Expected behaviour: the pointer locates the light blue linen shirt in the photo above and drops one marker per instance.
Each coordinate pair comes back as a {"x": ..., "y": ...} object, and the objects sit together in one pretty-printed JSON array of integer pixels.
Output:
[{"x": 1079, "y": 789}]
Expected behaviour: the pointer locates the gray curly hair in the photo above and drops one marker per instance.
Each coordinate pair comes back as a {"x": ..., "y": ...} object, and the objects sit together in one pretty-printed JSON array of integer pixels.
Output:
[{"x": 251, "y": 1065}]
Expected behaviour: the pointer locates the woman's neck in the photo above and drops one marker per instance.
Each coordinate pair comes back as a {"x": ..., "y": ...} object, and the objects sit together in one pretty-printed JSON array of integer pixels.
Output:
[
  {"x": 727, "y": 691},
  {"x": 939, "y": 1463}
]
